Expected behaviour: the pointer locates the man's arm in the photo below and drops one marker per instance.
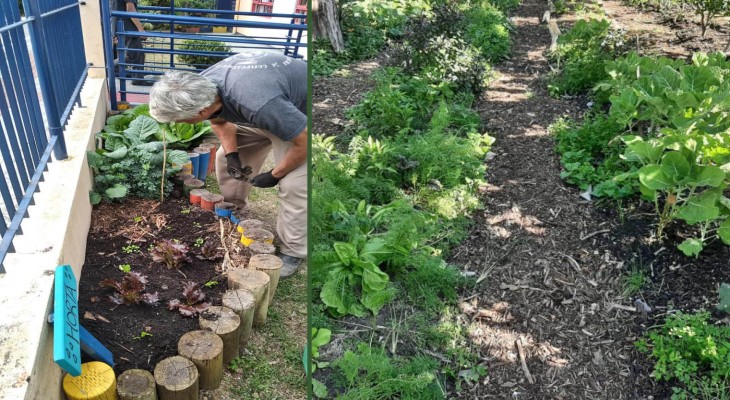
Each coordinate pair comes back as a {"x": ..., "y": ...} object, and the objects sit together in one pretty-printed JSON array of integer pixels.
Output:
[
  {"x": 226, "y": 133},
  {"x": 132, "y": 8},
  {"x": 296, "y": 156}
]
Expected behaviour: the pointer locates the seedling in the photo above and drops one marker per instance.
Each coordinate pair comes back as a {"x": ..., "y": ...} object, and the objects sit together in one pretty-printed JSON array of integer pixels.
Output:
[
  {"x": 199, "y": 242},
  {"x": 210, "y": 284},
  {"x": 132, "y": 248},
  {"x": 126, "y": 268},
  {"x": 143, "y": 335},
  {"x": 185, "y": 210},
  {"x": 137, "y": 219}
]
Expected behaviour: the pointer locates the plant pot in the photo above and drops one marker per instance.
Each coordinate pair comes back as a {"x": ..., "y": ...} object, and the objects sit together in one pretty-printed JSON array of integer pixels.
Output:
[
  {"x": 209, "y": 201},
  {"x": 191, "y": 184},
  {"x": 192, "y": 29},
  {"x": 224, "y": 209},
  {"x": 196, "y": 194},
  {"x": 211, "y": 159},
  {"x": 195, "y": 160},
  {"x": 248, "y": 224},
  {"x": 254, "y": 235}
]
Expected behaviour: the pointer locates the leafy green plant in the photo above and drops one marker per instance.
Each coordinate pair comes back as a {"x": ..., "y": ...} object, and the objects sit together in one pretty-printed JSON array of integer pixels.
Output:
[
  {"x": 132, "y": 248},
  {"x": 682, "y": 186},
  {"x": 192, "y": 303},
  {"x": 143, "y": 335},
  {"x": 487, "y": 29},
  {"x": 691, "y": 350},
  {"x": 126, "y": 268},
  {"x": 320, "y": 337},
  {"x": 373, "y": 375},
  {"x": 202, "y": 53},
  {"x": 172, "y": 254},
  {"x": 130, "y": 290},
  {"x": 210, "y": 284}
]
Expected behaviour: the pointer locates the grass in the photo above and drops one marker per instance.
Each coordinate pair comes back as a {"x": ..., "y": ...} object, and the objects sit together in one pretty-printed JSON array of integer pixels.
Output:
[{"x": 634, "y": 280}]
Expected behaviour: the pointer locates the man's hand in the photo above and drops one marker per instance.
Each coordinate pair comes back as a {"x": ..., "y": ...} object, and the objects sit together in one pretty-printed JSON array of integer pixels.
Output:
[
  {"x": 265, "y": 180},
  {"x": 234, "y": 167}
]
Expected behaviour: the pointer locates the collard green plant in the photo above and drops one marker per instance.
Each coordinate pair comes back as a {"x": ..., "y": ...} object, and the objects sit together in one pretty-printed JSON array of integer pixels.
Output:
[
  {"x": 172, "y": 254},
  {"x": 130, "y": 290},
  {"x": 192, "y": 303},
  {"x": 683, "y": 185}
]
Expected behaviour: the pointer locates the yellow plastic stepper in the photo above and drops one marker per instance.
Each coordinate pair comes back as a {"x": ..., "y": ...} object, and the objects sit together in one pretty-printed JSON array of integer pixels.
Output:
[
  {"x": 247, "y": 242},
  {"x": 96, "y": 382}
]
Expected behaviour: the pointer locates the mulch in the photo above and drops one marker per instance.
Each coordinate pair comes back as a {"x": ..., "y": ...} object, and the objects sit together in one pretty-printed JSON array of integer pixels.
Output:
[{"x": 143, "y": 223}]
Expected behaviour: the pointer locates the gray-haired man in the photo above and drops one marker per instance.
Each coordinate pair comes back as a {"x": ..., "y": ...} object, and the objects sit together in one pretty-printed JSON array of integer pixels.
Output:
[{"x": 256, "y": 103}]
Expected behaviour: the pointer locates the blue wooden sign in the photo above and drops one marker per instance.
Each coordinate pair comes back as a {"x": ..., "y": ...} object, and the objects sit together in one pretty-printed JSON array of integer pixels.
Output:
[
  {"x": 66, "y": 342},
  {"x": 91, "y": 347}
]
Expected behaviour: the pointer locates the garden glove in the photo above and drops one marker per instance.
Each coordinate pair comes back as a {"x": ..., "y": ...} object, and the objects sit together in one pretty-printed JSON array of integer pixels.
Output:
[
  {"x": 234, "y": 167},
  {"x": 265, "y": 180}
]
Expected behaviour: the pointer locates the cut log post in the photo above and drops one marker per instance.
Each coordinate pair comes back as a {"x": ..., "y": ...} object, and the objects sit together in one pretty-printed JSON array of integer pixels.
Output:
[
  {"x": 248, "y": 224},
  {"x": 177, "y": 379},
  {"x": 262, "y": 248},
  {"x": 205, "y": 350},
  {"x": 554, "y": 34},
  {"x": 271, "y": 266},
  {"x": 225, "y": 323},
  {"x": 242, "y": 302},
  {"x": 256, "y": 235},
  {"x": 257, "y": 282},
  {"x": 136, "y": 384}
]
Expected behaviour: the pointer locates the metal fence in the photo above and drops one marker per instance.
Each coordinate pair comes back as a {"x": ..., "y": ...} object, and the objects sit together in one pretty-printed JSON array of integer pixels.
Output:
[
  {"x": 38, "y": 94},
  {"x": 172, "y": 45}
]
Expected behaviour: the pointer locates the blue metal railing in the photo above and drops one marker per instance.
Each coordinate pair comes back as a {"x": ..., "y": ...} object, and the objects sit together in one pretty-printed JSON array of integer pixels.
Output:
[
  {"x": 59, "y": 68},
  {"x": 286, "y": 37}
]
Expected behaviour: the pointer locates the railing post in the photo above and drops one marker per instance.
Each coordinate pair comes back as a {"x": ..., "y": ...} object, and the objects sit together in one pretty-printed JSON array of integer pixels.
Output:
[
  {"x": 38, "y": 39},
  {"x": 106, "y": 22}
]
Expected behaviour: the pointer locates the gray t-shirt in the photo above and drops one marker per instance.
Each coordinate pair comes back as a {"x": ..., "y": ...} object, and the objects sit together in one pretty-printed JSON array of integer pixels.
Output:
[{"x": 265, "y": 90}]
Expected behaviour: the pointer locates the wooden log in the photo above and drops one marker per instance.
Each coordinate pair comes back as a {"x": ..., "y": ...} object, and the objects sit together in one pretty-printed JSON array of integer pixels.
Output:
[
  {"x": 136, "y": 384},
  {"x": 256, "y": 235},
  {"x": 225, "y": 323},
  {"x": 262, "y": 248},
  {"x": 205, "y": 350},
  {"x": 242, "y": 302},
  {"x": 248, "y": 224},
  {"x": 257, "y": 282},
  {"x": 554, "y": 34},
  {"x": 177, "y": 379},
  {"x": 271, "y": 266}
]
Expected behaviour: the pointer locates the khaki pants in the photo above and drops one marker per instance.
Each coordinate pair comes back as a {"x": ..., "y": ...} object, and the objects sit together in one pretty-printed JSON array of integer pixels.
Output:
[{"x": 254, "y": 145}]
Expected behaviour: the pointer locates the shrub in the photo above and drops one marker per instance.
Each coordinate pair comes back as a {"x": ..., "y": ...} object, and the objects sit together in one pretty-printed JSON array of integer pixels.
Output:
[
  {"x": 487, "y": 29},
  {"x": 198, "y": 47}
]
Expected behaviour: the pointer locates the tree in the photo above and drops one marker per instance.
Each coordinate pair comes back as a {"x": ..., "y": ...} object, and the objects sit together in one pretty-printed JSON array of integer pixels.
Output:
[
  {"x": 707, "y": 10},
  {"x": 327, "y": 23}
]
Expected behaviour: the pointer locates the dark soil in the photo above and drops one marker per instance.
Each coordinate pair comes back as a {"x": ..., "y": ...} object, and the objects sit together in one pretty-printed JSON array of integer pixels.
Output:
[{"x": 144, "y": 223}]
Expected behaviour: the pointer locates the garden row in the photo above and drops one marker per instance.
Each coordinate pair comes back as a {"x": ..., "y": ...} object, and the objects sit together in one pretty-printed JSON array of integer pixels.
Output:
[
  {"x": 394, "y": 193},
  {"x": 656, "y": 131}
]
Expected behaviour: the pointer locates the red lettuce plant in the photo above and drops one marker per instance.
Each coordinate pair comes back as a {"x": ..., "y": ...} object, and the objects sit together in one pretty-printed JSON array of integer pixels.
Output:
[
  {"x": 130, "y": 290},
  {"x": 173, "y": 254},
  {"x": 210, "y": 251},
  {"x": 193, "y": 302}
]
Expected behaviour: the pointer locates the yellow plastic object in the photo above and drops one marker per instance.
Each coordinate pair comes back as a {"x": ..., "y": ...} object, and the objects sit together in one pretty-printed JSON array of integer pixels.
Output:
[
  {"x": 220, "y": 29},
  {"x": 96, "y": 382},
  {"x": 246, "y": 241}
]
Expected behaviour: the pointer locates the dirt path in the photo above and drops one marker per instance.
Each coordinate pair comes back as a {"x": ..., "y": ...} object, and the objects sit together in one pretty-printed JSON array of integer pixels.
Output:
[{"x": 541, "y": 252}]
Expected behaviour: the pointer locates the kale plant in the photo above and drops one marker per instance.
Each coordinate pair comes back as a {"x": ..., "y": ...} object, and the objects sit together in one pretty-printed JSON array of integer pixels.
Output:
[{"x": 130, "y": 290}]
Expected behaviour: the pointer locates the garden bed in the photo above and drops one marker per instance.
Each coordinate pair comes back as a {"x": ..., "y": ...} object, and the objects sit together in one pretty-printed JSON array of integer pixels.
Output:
[{"x": 141, "y": 335}]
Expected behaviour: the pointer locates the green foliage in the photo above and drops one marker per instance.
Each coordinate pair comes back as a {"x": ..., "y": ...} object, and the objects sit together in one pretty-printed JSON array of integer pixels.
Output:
[
  {"x": 487, "y": 29},
  {"x": 708, "y": 10},
  {"x": 590, "y": 155},
  {"x": 724, "y": 296},
  {"x": 371, "y": 374},
  {"x": 505, "y": 5},
  {"x": 633, "y": 281},
  {"x": 431, "y": 283},
  {"x": 581, "y": 56},
  {"x": 674, "y": 170},
  {"x": 690, "y": 350},
  {"x": 196, "y": 47}
]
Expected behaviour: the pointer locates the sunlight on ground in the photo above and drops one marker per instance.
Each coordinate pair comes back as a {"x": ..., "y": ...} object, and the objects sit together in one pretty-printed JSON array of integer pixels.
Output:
[{"x": 512, "y": 217}]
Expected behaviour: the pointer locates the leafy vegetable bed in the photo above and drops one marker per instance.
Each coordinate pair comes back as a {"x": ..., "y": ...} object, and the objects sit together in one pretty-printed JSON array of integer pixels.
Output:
[{"x": 140, "y": 335}]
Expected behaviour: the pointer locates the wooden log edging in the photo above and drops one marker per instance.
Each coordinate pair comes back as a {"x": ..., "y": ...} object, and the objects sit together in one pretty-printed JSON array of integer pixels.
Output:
[
  {"x": 225, "y": 323},
  {"x": 242, "y": 302},
  {"x": 136, "y": 384},
  {"x": 257, "y": 282},
  {"x": 177, "y": 379},
  {"x": 271, "y": 266},
  {"x": 205, "y": 350}
]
